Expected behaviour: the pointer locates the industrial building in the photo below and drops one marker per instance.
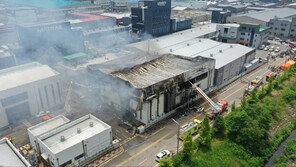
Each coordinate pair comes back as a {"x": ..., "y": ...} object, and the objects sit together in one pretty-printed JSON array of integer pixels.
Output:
[
  {"x": 152, "y": 17},
  {"x": 283, "y": 27},
  {"x": 252, "y": 35},
  {"x": 218, "y": 15},
  {"x": 71, "y": 143},
  {"x": 194, "y": 15},
  {"x": 26, "y": 90},
  {"x": 204, "y": 31},
  {"x": 35, "y": 131},
  {"x": 10, "y": 156},
  {"x": 231, "y": 57},
  {"x": 262, "y": 17},
  {"x": 151, "y": 87},
  {"x": 228, "y": 33},
  {"x": 7, "y": 58},
  {"x": 56, "y": 35}
]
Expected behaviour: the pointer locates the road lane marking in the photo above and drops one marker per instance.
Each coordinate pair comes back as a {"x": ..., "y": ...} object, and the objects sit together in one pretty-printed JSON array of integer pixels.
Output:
[
  {"x": 156, "y": 132},
  {"x": 129, "y": 139},
  {"x": 143, "y": 161},
  {"x": 146, "y": 148}
]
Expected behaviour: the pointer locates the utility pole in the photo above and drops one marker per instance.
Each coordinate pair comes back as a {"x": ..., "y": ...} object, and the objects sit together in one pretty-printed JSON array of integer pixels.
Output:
[{"x": 177, "y": 134}]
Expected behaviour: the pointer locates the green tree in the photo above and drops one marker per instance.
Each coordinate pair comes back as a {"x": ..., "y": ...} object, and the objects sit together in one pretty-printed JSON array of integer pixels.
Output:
[
  {"x": 253, "y": 98},
  {"x": 261, "y": 93},
  {"x": 166, "y": 162},
  {"x": 219, "y": 127},
  {"x": 235, "y": 122},
  {"x": 205, "y": 133},
  {"x": 244, "y": 102},
  {"x": 187, "y": 147},
  {"x": 233, "y": 106}
]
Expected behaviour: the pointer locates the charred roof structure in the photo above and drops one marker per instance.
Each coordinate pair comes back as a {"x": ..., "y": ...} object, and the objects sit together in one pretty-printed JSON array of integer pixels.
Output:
[{"x": 151, "y": 87}]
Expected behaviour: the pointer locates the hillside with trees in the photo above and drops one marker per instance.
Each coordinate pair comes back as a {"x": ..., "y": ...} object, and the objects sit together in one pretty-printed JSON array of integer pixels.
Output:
[{"x": 249, "y": 134}]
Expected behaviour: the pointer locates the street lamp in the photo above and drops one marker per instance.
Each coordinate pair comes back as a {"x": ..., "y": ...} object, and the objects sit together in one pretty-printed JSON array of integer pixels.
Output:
[{"x": 177, "y": 134}]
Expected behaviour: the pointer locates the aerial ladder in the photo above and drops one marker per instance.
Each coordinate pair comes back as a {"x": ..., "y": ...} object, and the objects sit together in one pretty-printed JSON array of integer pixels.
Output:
[{"x": 215, "y": 108}]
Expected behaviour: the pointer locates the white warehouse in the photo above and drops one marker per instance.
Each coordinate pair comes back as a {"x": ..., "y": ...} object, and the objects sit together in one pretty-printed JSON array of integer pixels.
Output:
[
  {"x": 35, "y": 131},
  {"x": 27, "y": 89},
  {"x": 10, "y": 156},
  {"x": 71, "y": 142}
]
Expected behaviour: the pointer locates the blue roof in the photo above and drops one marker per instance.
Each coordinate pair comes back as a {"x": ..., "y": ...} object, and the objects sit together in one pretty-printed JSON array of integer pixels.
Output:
[{"x": 47, "y": 4}]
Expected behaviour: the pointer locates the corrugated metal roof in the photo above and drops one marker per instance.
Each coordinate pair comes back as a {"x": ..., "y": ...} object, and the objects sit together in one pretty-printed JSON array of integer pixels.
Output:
[
  {"x": 158, "y": 70},
  {"x": 24, "y": 74},
  {"x": 268, "y": 14},
  {"x": 223, "y": 53},
  {"x": 9, "y": 155},
  {"x": 174, "y": 38}
]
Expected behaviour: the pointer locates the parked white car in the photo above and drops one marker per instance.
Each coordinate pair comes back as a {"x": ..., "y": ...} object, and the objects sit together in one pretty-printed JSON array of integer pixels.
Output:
[{"x": 162, "y": 154}]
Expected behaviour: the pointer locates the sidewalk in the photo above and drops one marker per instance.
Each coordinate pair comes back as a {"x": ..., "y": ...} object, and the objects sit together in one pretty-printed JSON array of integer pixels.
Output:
[{"x": 106, "y": 157}]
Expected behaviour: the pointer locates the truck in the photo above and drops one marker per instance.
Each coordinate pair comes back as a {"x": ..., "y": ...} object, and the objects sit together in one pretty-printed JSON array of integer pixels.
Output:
[
  {"x": 191, "y": 127},
  {"x": 271, "y": 75},
  {"x": 257, "y": 81},
  {"x": 249, "y": 90},
  {"x": 215, "y": 108}
]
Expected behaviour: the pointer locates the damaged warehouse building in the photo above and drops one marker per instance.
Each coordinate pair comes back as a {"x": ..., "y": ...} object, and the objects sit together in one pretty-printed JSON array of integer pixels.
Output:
[{"x": 152, "y": 87}]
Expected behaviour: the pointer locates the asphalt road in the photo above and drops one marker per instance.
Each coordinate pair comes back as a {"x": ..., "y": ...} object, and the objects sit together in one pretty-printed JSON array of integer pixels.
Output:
[{"x": 142, "y": 149}]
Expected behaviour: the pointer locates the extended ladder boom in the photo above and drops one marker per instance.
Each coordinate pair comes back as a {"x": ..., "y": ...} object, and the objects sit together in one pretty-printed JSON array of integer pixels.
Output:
[{"x": 214, "y": 106}]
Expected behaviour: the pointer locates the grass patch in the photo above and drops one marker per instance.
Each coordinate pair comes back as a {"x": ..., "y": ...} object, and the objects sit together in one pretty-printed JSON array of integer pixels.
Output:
[{"x": 223, "y": 153}]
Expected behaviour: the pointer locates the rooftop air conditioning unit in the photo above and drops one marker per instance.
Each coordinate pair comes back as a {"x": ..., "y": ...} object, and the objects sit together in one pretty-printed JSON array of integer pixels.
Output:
[
  {"x": 63, "y": 138},
  {"x": 231, "y": 46},
  {"x": 171, "y": 50},
  {"x": 220, "y": 50},
  {"x": 188, "y": 44},
  {"x": 78, "y": 130},
  {"x": 211, "y": 55},
  {"x": 91, "y": 124},
  {"x": 199, "y": 40}
]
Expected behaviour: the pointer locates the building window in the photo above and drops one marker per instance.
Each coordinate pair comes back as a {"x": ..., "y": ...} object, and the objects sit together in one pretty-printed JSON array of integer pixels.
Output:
[
  {"x": 141, "y": 114},
  {"x": 243, "y": 33},
  {"x": 283, "y": 29},
  {"x": 275, "y": 28},
  {"x": 242, "y": 39},
  {"x": 14, "y": 99},
  {"x": 292, "y": 30},
  {"x": 225, "y": 30},
  {"x": 40, "y": 98},
  {"x": 244, "y": 28},
  {"x": 78, "y": 157}
]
